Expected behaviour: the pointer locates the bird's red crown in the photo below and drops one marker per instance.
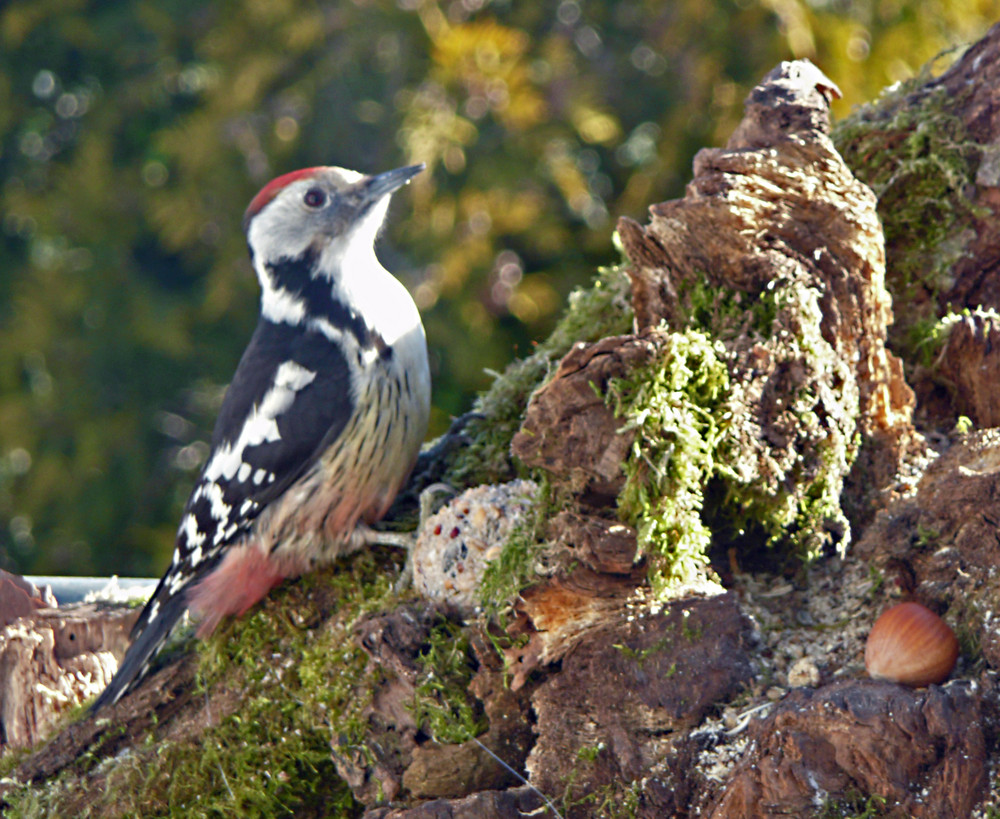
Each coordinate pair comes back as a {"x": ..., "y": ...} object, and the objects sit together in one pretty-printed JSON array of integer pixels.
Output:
[{"x": 273, "y": 188}]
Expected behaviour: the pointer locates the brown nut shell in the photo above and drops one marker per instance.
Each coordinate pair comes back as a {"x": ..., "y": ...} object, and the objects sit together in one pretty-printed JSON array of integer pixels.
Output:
[{"x": 910, "y": 644}]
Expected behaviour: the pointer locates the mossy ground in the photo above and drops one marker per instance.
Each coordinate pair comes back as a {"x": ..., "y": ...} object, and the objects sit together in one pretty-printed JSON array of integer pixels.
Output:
[
  {"x": 288, "y": 685},
  {"x": 920, "y": 161}
]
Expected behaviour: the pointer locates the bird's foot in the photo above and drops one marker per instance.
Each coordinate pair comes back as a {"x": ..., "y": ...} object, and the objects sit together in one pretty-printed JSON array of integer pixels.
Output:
[
  {"x": 427, "y": 500},
  {"x": 366, "y": 536}
]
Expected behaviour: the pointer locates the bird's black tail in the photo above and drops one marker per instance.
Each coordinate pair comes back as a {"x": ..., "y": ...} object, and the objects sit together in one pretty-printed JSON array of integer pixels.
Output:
[{"x": 152, "y": 629}]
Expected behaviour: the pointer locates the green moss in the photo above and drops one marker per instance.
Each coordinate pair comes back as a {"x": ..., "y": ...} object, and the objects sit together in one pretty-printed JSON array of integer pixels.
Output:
[
  {"x": 877, "y": 578},
  {"x": 926, "y": 538},
  {"x": 728, "y": 451},
  {"x": 674, "y": 408},
  {"x": 665, "y": 643},
  {"x": 613, "y": 801},
  {"x": 515, "y": 567},
  {"x": 640, "y": 656},
  {"x": 919, "y": 160},
  {"x": 443, "y": 707},
  {"x": 297, "y": 686},
  {"x": 590, "y": 753},
  {"x": 855, "y": 805},
  {"x": 784, "y": 464},
  {"x": 970, "y": 625},
  {"x": 727, "y": 313},
  {"x": 12, "y": 758},
  {"x": 601, "y": 310},
  {"x": 964, "y": 425}
]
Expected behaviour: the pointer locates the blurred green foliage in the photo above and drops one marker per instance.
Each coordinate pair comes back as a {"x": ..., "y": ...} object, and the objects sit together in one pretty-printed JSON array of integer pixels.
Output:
[{"x": 132, "y": 135}]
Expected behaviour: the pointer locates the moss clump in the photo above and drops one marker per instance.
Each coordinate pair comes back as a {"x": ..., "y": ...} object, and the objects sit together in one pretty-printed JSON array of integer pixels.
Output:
[
  {"x": 674, "y": 408},
  {"x": 790, "y": 413},
  {"x": 284, "y": 689},
  {"x": 616, "y": 801},
  {"x": 728, "y": 314},
  {"x": 603, "y": 309},
  {"x": 855, "y": 805},
  {"x": 795, "y": 430},
  {"x": 442, "y": 707},
  {"x": 745, "y": 426},
  {"x": 919, "y": 160}
]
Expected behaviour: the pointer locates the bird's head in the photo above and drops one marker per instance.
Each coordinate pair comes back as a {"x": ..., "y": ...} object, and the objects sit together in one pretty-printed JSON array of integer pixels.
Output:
[{"x": 321, "y": 211}]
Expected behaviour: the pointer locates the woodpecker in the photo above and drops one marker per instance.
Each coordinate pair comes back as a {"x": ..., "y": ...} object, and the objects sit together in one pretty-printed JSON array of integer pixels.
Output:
[{"x": 322, "y": 421}]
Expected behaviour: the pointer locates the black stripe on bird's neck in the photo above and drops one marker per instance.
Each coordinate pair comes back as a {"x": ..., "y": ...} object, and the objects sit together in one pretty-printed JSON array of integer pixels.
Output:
[{"x": 296, "y": 275}]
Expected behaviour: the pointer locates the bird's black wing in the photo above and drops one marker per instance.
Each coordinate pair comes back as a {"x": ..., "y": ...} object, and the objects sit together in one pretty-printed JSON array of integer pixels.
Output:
[
  {"x": 290, "y": 397},
  {"x": 318, "y": 412}
]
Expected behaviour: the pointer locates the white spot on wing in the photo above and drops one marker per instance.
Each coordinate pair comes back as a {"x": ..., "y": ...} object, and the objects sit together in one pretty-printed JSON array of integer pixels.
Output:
[
  {"x": 244, "y": 472},
  {"x": 192, "y": 534},
  {"x": 220, "y": 509},
  {"x": 294, "y": 376},
  {"x": 261, "y": 425},
  {"x": 258, "y": 476},
  {"x": 175, "y": 583}
]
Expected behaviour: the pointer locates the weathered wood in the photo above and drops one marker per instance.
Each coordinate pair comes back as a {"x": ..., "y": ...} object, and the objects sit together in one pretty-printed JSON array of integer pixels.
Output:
[{"x": 51, "y": 660}]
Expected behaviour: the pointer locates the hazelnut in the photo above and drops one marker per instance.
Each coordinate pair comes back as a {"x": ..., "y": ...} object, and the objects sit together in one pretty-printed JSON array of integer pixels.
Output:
[{"x": 910, "y": 644}]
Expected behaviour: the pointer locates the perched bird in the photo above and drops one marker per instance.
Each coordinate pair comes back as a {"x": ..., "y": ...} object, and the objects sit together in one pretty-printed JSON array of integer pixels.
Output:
[{"x": 322, "y": 421}]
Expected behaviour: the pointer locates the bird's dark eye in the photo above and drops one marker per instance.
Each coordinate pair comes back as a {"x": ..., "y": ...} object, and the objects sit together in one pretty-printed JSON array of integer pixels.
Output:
[{"x": 315, "y": 198}]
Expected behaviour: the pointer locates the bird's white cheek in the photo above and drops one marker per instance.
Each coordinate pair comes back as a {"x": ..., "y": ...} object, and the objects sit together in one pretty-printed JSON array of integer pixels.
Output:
[{"x": 278, "y": 232}]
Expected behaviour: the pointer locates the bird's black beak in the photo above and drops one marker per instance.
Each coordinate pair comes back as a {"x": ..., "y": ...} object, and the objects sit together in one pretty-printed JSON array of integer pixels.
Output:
[{"x": 375, "y": 187}]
